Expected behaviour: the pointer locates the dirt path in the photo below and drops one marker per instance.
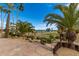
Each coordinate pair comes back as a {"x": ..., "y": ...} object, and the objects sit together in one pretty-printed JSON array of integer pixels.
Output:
[
  {"x": 67, "y": 52},
  {"x": 19, "y": 47}
]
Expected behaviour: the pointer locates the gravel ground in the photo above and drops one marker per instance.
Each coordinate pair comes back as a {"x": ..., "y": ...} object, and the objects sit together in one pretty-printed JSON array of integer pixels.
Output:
[{"x": 19, "y": 47}]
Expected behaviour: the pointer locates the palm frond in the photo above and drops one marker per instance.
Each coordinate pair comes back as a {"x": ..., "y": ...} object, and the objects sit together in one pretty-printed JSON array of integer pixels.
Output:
[
  {"x": 70, "y": 13},
  {"x": 52, "y": 21},
  {"x": 55, "y": 16}
]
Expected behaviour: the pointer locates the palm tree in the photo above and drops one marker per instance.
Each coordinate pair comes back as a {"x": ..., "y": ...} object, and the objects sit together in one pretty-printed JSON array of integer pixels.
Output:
[
  {"x": 7, "y": 25},
  {"x": 1, "y": 9},
  {"x": 24, "y": 27},
  {"x": 67, "y": 21},
  {"x": 10, "y": 7},
  {"x": 5, "y": 14},
  {"x": 76, "y": 26},
  {"x": 20, "y": 8}
]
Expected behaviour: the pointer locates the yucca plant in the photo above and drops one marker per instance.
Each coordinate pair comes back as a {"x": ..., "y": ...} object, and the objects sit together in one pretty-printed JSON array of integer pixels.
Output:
[{"x": 67, "y": 21}]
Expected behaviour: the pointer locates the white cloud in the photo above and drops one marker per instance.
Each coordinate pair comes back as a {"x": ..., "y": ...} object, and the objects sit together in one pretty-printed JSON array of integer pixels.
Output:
[
  {"x": 69, "y": 4},
  {"x": 78, "y": 7},
  {"x": 42, "y": 26}
]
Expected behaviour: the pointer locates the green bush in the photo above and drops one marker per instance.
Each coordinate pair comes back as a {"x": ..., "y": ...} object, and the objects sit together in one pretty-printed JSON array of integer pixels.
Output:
[
  {"x": 43, "y": 41},
  {"x": 31, "y": 36},
  {"x": 18, "y": 34},
  {"x": 77, "y": 31},
  {"x": 48, "y": 40},
  {"x": 24, "y": 27},
  {"x": 12, "y": 33},
  {"x": 47, "y": 37},
  {"x": 51, "y": 39}
]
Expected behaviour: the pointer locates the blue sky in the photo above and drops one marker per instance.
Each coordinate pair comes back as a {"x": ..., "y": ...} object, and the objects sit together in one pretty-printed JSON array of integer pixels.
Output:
[{"x": 35, "y": 14}]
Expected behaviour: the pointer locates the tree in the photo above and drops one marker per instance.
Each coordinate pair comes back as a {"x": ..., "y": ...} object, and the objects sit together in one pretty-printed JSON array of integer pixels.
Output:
[
  {"x": 24, "y": 27},
  {"x": 5, "y": 14},
  {"x": 7, "y": 25},
  {"x": 19, "y": 8},
  {"x": 1, "y": 9},
  {"x": 10, "y": 7},
  {"x": 76, "y": 26},
  {"x": 67, "y": 21}
]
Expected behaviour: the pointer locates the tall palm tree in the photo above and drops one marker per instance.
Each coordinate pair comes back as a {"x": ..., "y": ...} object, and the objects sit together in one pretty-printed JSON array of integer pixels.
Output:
[
  {"x": 7, "y": 25},
  {"x": 20, "y": 8},
  {"x": 5, "y": 14},
  {"x": 10, "y": 8},
  {"x": 67, "y": 21},
  {"x": 1, "y": 9}
]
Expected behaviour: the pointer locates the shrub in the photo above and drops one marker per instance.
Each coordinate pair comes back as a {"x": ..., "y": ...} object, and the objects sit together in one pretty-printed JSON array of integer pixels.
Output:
[
  {"x": 12, "y": 33},
  {"x": 77, "y": 31},
  {"x": 43, "y": 41},
  {"x": 24, "y": 27},
  {"x": 48, "y": 39}
]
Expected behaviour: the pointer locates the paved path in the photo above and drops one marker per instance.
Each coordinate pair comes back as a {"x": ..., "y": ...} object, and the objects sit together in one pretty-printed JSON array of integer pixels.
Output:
[{"x": 19, "y": 47}]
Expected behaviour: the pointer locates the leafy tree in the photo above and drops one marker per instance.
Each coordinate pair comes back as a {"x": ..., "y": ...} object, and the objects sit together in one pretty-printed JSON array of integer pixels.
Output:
[
  {"x": 67, "y": 21},
  {"x": 24, "y": 27}
]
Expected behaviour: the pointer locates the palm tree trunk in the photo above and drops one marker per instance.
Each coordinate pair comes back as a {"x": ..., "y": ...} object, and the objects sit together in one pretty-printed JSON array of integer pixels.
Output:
[
  {"x": 13, "y": 18},
  {"x": 4, "y": 19},
  {"x": 17, "y": 19},
  {"x": 71, "y": 36},
  {"x": 1, "y": 21},
  {"x": 7, "y": 26}
]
